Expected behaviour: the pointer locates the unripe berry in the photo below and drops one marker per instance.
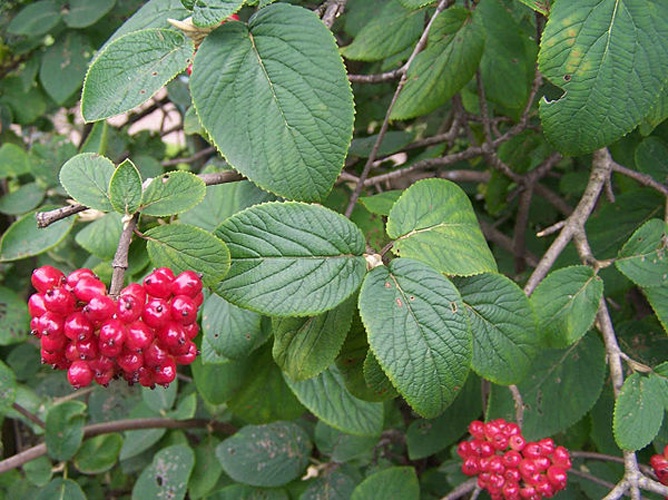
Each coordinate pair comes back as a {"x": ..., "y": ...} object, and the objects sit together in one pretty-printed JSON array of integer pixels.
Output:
[
  {"x": 79, "y": 374},
  {"x": 46, "y": 277}
]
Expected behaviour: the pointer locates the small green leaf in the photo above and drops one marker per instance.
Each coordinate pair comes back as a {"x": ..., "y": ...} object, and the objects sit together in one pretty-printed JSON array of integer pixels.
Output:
[
  {"x": 246, "y": 492},
  {"x": 86, "y": 178},
  {"x": 393, "y": 141},
  {"x": 24, "y": 199},
  {"x": 125, "y": 190},
  {"x": 381, "y": 204},
  {"x": 161, "y": 399},
  {"x": 651, "y": 157},
  {"x": 274, "y": 93},
  {"x": 642, "y": 259},
  {"x": 448, "y": 63},
  {"x": 61, "y": 489},
  {"x": 611, "y": 59},
  {"x": 131, "y": 69},
  {"x": 433, "y": 222},
  {"x": 327, "y": 398},
  {"x": 64, "y": 429},
  {"x": 566, "y": 303},
  {"x": 14, "y": 317},
  {"x": 505, "y": 339},
  {"x": 167, "y": 476},
  {"x": 266, "y": 455},
  {"x": 231, "y": 331},
  {"x": 39, "y": 471},
  {"x": 304, "y": 347},
  {"x": 658, "y": 299},
  {"x": 101, "y": 236},
  {"x": 24, "y": 239},
  {"x": 36, "y": 19},
  {"x": 64, "y": 66},
  {"x": 291, "y": 259},
  {"x": 332, "y": 485},
  {"x": 84, "y": 13},
  {"x": 172, "y": 193},
  {"x": 7, "y": 388},
  {"x": 393, "y": 30},
  {"x": 182, "y": 247},
  {"x": 217, "y": 383},
  {"x": 639, "y": 411},
  {"x": 393, "y": 482},
  {"x": 342, "y": 447},
  {"x": 207, "y": 468},
  {"x": 213, "y": 12},
  {"x": 14, "y": 161},
  {"x": 418, "y": 331},
  {"x": 98, "y": 454}
]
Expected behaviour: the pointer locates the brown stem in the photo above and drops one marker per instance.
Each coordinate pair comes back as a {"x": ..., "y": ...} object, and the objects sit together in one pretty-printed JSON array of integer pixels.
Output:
[
  {"x": 461, "y": 490},
  {"x": 378, "y": 78},
  {"x": 519, "y": 404},
  {"x": 644, "y": 179},
  {"x": 29, "y": 415},
  {"x": 45, "y": 219},
  {"x": 120, "y": 262}
]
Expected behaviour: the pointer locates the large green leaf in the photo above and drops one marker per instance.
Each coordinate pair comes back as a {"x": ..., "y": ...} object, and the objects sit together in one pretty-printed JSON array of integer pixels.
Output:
[
  {"x": 658, "y": 299},
  {"x": 131, "y": 69},
  {"x": 64, "y": 66},
  {"x": 450, "y": 60},
  {"x": 566, "y": 303},
  {"x": 86, "y": 178},
  {"x": 562, "y": 387},
  {"x": 14, "y": 317},
  {"x": 651, "y": 157},
  {"x": 213, "y": 12},
  {"x": 393, "y": 30},
  {"x": 304, "y": 347},
  {"x": 84, "y": 13},
  {"x": 25, "y": 198},
  {"x": 182, "y": 247},
  {"x": 433, "y": 221},
  {"x": 291, "y": 259},
  {"x": 393, "y": 482},
  {"x": 611, "y": 59},
  {"x": 275, "y": 99},
  {"x": 643, "y": 258},
  {"x": 64, "y": 429},
  {"x": 61, "y": 489},
  {"x": 334, "y": 484},
  {"x": 327, "y": 398},
  {"x": 167, "y": 476},
  {"x": 153, "y": 14},
  {"x": 639, "y": 411},
  {"x": 418, "y": 331},
  {"x": 35, "y": 19},
  {"x": 505, "y": 339},
  {"x": 266, "y": 455},
  {"x": 24, "y": 239},
  {"x": 172, "y": 193}
]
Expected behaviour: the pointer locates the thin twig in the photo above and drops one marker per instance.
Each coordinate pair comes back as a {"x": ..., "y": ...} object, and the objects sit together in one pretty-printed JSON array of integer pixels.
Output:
[
  {"x": 120, "y": 263},
  {"x": 461, "y": 490},
  {"x": 377, "y": 78},
  {"x": 519, "y": 404},
  {"x": 45, "y": 219},
  {"x": 202, "y": 153},
  {"x": 644, "y": 179},
  {"x": 29, "y": 415},
  {"x": 592, "y": 478}
]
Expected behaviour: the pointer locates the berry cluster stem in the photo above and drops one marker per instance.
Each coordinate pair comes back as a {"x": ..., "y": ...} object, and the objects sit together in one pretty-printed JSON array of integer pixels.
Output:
[{"x": 120, "y": 262}]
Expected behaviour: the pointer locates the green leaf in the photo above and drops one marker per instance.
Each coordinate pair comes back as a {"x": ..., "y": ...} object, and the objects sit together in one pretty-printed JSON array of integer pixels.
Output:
[
  {"x": 7, "y": 387},
  {"x": 611, "y": 59},
  {"x": 24, "y": 199},
  {"x": 217, "y": 383},
  {"x": 643, "y": 258},
  {"x": 291, "y": 259},
  {"x": 541, "y": 6},
  {"x": 639, "y": 411},
  {"x": 64, "y": 66},
  {"x": 125, "y": 190},
  {"x": 657, "y": 114},
  {"x": 231, "y": 331},
  {"x": 415, "y": 4},
  {"x": 39, "y": 471},
  {"x": 213, "y": 12},
  {"x": 304, "y": 347},
  {"x": 449, "y": 61},
  {"x": 505, "y": 339},
  {"x": 26, "y": 105},
  {"x": 375, "y": 377},
  {"x": 35, "y": 19},
  {"x": 381, "y": 204},
  {"x": 393, "y": 30},
  {"x": 101, "y": 236},
  {"x": 341, "y": 447},
  {"x": 327, "y": 398},
  {"x": 182, "y": 247},
  {"x": 266, "y": 455},
  {"x": 24, "y": 239},
  {"x": 86, "y": 178},
  {"x": 651, "y": 157},
  {"x": 566, "y": 303},
  {"x": 61, "y": 489},
  {"x": 207, "y": 468},
  {"x": 98, "y": 454},
  {"x": 131, "y": 69},
  {"x": 14, "y": 161},
  {"x": 64, "y": 429},
  {"x": 245, "y": 492},
  {"x": 332, "y": 485},
  {"x": 418, "y": 331},
  {"x": 658, "y": 299},
  {"x": 562, "y": 387},
  {"x": 159, "y": 400},
  {"x": 274, "y": 95},
  {"x": 433, "y": 222},
  {"x": 84, "y": 13},
  {"x": 425, "y": 437},
  {"x": 393, "y": 482},
  {"x": 393, "y": 141},
  {"x": 167, "y": 476},
  {"x": 153, "y": 14},
  {"x": 172, "y": 193},
  {"x": 14, "y": 317}
]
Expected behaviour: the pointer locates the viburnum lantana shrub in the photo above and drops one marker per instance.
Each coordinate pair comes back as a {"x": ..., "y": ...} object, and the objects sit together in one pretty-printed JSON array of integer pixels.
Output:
[{"x": 400, "y": 248}]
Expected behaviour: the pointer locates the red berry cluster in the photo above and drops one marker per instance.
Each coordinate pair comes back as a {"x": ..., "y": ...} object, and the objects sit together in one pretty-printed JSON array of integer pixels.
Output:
[
  {"x": 141, "y": 336},
  {"x": 508, "y": 466},
  {"x": 660, "y": 465}
]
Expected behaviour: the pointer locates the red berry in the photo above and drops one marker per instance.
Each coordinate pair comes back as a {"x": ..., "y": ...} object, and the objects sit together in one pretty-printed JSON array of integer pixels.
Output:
[
  {"x": 512, "y": 458},
  {"x": 135, "y": 290},
  {"x": 49, "y": 323},
  {"x": 166, "y": 373},
  {"x": 71, "y": 352},
  {"x": 546, "y": 446},
  {"x": 557, "y": 477},
  {"x": 471, "y": 466},
  {"x": 76, "y": 275},
  {"x": 173, "y": 338},
  {"x": 158, "y": 283},
  {"x": 532, "y": 450},
  {"x": 128, "y": 308},
  {"x": 88, "y": 349},
  {"x": 187, "y": 283},
  {"x": 99, "y": 309},
  {"x": 544, "y": 487},
  {"x": 542, "y": 463},
  {"x": 511, "y": 490},
  {"x": 112, "y": 336},
  {"x": 183, "y": 310},
  {"x": 51, "y": 358},
  {"x": 491, "y": 429},
  {"x": 139, "y": 336},
  {"x": 512, "y": 474},
  {"x": 516, "y": 442},
  {"x": 495, "y": 465},
  {"x": 54, "y": 342},
  {"x": 191, "y": 330},
  {"x": 36, "y": 305},
  {"x": 146, "y": 377},
  {"x": 464, "y": 449},
  {"x": 155, "y": 356},
  {"x": 199, "y": 299},
  {"x": 189, "y": 356},
  {"x": 157, "y": 313},
  {"x": 500, "y": 441},
  {"x": 77, "y": 326},
  {"x": 130, "y": 362},
  {"x": 46, "y": 277},
  {"x": 89, "y": 287},
  {"x": 561, "y": 458},
  {"x": 79, "y": 374},
  {"x": 527, "y": 468},
  {"x": 59, "y": 300},
  {"x": 529, "y": 491}
]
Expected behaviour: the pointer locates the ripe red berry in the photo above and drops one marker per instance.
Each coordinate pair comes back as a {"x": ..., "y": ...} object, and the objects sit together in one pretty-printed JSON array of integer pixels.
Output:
[
  {"x": 189, "y": 356},
  {"x": 59, "y": 300},
  {"x": 99, "y": 309},
  {"x": 36, "y": 305},
  {"x": 76, "y": 275},
  {"x": 191, "y": 330},
  {"x": 46, "y": 277},
  {"x": 88, "y": 349},
  {"x": 561, "y": 458},
  {"x": 557, "y": 477},
  {"x": 128, "y": 308},
  {"x": 511, "y": 458},
  {"x": 77, "y": 326},
  {"x": 157, "y": 312},
  {"x": 112, "y": 337},
  {"x": 183, "y": 310},
  {"x": 187, "y": 283},
  {"x": 79, "y": 374},
  {"x": 516, "y": 442},
  {"x": 173, "y": 338},
  {"x": 165, "y": 373},
  {"x": 155, "y": 356},
  {"x": 54, "y": 342},
  {"x": 49, "y": 323},
  {"x": 139, "y": 336},
  {"x": 158, "y": 283},
  {"x": 135, "y": 290},
  {"x": 130, "y": 361},
  {"x": 471, "y": 466},
  {"x": 89, "y": 287}
]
